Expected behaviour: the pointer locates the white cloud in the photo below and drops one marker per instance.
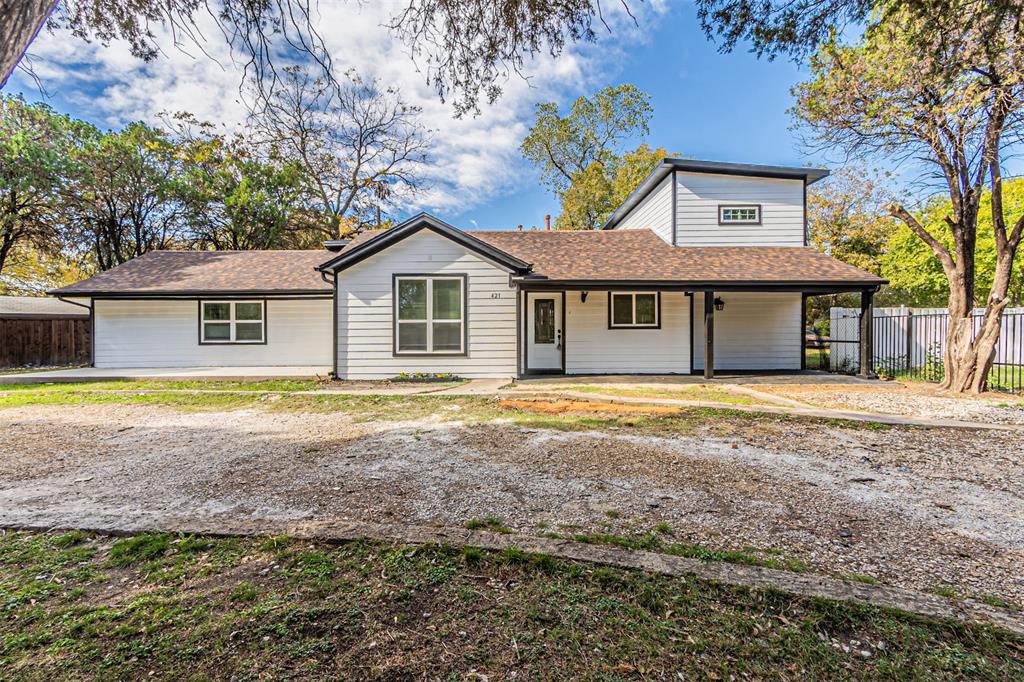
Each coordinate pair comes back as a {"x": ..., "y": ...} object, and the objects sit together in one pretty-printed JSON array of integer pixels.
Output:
[{"x": 473, "y": 159}]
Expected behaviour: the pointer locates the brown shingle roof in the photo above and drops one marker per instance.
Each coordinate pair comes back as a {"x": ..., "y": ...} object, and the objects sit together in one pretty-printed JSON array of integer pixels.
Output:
[
  {"x": 640, "y": 255},
  {"x": 184, "y": 272}
]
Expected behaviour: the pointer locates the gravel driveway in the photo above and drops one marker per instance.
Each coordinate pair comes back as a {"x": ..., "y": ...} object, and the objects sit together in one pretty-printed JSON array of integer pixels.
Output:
[{"x": 918, "y": 508}]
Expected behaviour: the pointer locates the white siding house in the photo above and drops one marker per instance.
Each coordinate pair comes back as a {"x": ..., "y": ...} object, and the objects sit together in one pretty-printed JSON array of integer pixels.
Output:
[
  {"x": 699, "y": 245},
  {"x": 366, "y": 348}
]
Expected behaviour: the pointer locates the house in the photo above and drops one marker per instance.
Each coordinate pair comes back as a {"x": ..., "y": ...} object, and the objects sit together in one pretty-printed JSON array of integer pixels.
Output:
[
  {"x": 704, "y": 267},
  {"x": 39, "y": 332}
]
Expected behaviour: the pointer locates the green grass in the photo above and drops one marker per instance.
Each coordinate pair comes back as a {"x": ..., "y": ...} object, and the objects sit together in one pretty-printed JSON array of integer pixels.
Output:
[
  {"x": 223, "y": 608},
  {"x": 275, "y": 385},
  {"x": 491, "y": 523}
]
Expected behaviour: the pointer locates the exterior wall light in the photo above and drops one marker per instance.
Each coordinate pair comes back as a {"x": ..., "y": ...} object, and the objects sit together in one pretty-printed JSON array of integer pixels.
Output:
[
  {"x": 719, "y": 304},
  {"x": 583, "y": 296}
]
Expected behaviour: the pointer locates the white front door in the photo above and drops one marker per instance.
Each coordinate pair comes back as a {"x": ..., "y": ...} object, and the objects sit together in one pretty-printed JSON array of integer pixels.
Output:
[{"x": 544, "y": 331}]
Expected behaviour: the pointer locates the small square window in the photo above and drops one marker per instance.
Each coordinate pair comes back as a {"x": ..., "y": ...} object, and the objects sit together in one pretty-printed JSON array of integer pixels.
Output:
[
  {"x": 638, "y": 310},
  {"x": 742, "y": 215}
]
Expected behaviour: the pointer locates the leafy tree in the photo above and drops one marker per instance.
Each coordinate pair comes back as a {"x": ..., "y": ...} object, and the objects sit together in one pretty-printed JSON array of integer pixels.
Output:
[
  {"x": 237, "y": 199},
  {"x": 34, "y": 146},
  {"x": 602, "y": 187},
  {"x": 955, "y": 106},
  {"x": 360, "y": 146},
  {"x": 32, "y": 272},
  {"x": 579, "y": 155},
  {"x": 846, "y": 218},
  {"x": 917, "y": 276},
  {"x": 122, "y": 202}
]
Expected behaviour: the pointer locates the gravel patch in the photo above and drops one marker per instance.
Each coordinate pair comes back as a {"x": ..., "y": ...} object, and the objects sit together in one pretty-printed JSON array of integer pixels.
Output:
[
  {"x": 908, "y": 400},
  {"x": 918, "y": 508}
]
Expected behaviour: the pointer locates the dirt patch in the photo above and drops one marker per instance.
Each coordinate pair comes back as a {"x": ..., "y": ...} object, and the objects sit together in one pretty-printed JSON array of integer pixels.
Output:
[
  {"x": 914, "y": 507},
  {"x": 585, "y": 407}
]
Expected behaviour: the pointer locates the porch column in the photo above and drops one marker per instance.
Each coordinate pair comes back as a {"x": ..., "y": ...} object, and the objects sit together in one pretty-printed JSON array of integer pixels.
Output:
[
  {"x": 867, "y": 334},
  {"x": 709, "y": 335}
]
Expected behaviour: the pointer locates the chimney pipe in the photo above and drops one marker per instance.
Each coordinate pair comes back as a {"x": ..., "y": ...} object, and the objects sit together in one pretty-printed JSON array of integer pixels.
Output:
[
  {"x": 547, "y": 222},
  {"x": 520, "y": 227}
]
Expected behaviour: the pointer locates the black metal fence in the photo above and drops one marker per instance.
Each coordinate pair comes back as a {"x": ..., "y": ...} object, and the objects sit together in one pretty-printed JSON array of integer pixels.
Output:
[{"x": 910, "y": 344}]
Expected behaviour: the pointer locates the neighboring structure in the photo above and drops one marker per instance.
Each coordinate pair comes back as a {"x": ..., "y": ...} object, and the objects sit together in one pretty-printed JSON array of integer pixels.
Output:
[
  {"x": 695, "y": 242},
  {"x": 42, "y": 332}
]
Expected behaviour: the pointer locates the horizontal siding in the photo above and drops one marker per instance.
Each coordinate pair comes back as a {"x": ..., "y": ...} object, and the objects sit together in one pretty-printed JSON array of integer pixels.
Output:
[
  {"x": 592, "y": 348},
  {"x": 698, "y": 196},
  {"x": 365, "y": 312},
  {"x": 754, "y": 331},
  {"x": 147, "y": 333},
  {"x": 653, "y": 213}
]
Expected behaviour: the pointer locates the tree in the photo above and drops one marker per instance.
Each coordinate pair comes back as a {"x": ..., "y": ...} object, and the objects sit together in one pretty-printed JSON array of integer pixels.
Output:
[
  {"x": 579, "y": 155},
  {"x": 955, "y": 107},
  {"x": 917, "y": 277},
  {"x": 238, "y": 199},
  {"x": 34, "y": 159},
  {"x": 846, "y": 218},
  {"x": 360, "y": 146},
  {"x": 602, "y": 187},
  {"x": 122, "y": 201}
]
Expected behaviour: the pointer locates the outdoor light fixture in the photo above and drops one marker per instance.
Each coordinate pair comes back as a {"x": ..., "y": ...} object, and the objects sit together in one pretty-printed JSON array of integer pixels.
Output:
[
  {"x": 719, "y": 304},
  {"x": 583, "y": 296}
]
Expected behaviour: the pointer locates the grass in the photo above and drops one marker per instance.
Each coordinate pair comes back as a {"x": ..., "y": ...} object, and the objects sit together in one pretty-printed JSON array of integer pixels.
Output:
[
  {"x": 372, "y": 408},
  {"x": 491, "y": 523},
  {"x": 219, "y": 608}
]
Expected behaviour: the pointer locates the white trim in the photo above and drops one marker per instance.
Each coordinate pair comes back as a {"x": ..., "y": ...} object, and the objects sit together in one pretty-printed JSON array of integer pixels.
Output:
[
  {"x": 232, "y": 322},
  {"x": 429, "y": 319}
]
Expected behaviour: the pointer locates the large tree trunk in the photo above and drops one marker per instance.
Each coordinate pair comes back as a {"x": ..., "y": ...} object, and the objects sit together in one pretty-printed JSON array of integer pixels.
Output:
[{"x": 20, "y": 21}]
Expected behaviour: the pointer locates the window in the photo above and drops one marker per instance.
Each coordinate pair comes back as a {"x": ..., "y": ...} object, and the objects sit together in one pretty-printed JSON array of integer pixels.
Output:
[
  {"x": 429, "y": 314},
  {"x": 232, "y": 322},
  {"x": 544, "y": 320},
  {"x": 634, "y": 310},
  {"x": 741, "y": 215}
]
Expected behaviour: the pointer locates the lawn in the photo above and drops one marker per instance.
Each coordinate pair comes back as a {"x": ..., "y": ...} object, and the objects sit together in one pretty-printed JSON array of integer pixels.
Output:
[
  {"x": 700, "y": 392},
  {"x": 171, "y": 607}
]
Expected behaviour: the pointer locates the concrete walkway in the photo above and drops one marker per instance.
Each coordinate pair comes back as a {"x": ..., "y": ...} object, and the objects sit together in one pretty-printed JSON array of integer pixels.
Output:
[
  {"x": 88, "y": 374},
  {"x": 819, "y": 413},
  {"x": 754, "y": 577}
]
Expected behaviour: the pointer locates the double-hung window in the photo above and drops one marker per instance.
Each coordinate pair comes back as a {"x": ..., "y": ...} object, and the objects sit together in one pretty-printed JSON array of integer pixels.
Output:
[
  {"x": 638, "y": 310},
  {"x": 747, "y": 214},
  {"x": 232, "y": 322},
  {"x": 430, "y": 314}
]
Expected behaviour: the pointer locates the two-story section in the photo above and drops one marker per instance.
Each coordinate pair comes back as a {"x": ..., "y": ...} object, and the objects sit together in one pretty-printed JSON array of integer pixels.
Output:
[{"x": 703, "y": 207}]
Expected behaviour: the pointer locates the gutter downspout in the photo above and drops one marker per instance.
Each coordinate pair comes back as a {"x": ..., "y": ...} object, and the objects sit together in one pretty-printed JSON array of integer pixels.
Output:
[
  {"x": 92, "y": 325},
  {"x": 334, "y": 321}
]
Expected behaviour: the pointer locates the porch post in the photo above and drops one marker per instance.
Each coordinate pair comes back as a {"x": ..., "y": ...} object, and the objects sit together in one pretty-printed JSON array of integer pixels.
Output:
[
  {"x": 867, "y": 334},
  {"x": 709, "y": 335}
]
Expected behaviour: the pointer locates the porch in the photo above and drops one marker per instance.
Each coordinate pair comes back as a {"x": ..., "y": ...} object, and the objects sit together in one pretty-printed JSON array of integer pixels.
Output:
[{"x": 667, "y": 331}]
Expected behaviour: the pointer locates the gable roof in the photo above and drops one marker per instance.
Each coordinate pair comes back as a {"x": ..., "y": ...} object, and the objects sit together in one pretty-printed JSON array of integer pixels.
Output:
[
  {"x": 369, "y": 243},
  {"x": 642, "y": 256},
  {"x": 203, "y": 272},
  {"x": 753, "y": 170}
]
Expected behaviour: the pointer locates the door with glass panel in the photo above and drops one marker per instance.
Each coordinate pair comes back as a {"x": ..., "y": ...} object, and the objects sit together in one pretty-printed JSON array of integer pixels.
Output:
[{"x": 544, "y": 332}]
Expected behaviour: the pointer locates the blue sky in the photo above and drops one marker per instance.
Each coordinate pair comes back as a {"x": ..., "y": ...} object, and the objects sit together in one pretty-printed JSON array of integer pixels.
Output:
[{"x": 730, "y": 107}]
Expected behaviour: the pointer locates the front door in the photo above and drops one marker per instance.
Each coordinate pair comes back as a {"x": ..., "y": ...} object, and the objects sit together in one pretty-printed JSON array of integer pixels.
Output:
[{"x": 544, "y": 332}]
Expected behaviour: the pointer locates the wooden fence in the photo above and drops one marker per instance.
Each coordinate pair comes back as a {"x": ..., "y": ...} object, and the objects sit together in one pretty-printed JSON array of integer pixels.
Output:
[{"x": 43, "y": 341}]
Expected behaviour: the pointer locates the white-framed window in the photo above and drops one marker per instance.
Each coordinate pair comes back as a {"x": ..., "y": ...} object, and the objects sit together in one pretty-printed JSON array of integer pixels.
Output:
[
  {"x": 430, "y": 314},
  {"x": 747, "y": 214},
  {"x": 634, "y": 310},
  {"x": 232, "y": 322}
]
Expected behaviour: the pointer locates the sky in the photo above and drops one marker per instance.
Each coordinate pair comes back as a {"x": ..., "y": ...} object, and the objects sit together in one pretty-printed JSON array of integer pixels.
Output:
[{"x": 707, "y": 105}]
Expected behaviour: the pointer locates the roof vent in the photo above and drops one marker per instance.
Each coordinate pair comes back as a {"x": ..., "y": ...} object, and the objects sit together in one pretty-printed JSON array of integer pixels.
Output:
[{"x": 335, "y": 244}]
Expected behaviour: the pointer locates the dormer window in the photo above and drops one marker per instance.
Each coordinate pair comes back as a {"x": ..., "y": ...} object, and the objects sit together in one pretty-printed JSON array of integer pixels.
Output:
[{"x": 741, "y": 214}]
